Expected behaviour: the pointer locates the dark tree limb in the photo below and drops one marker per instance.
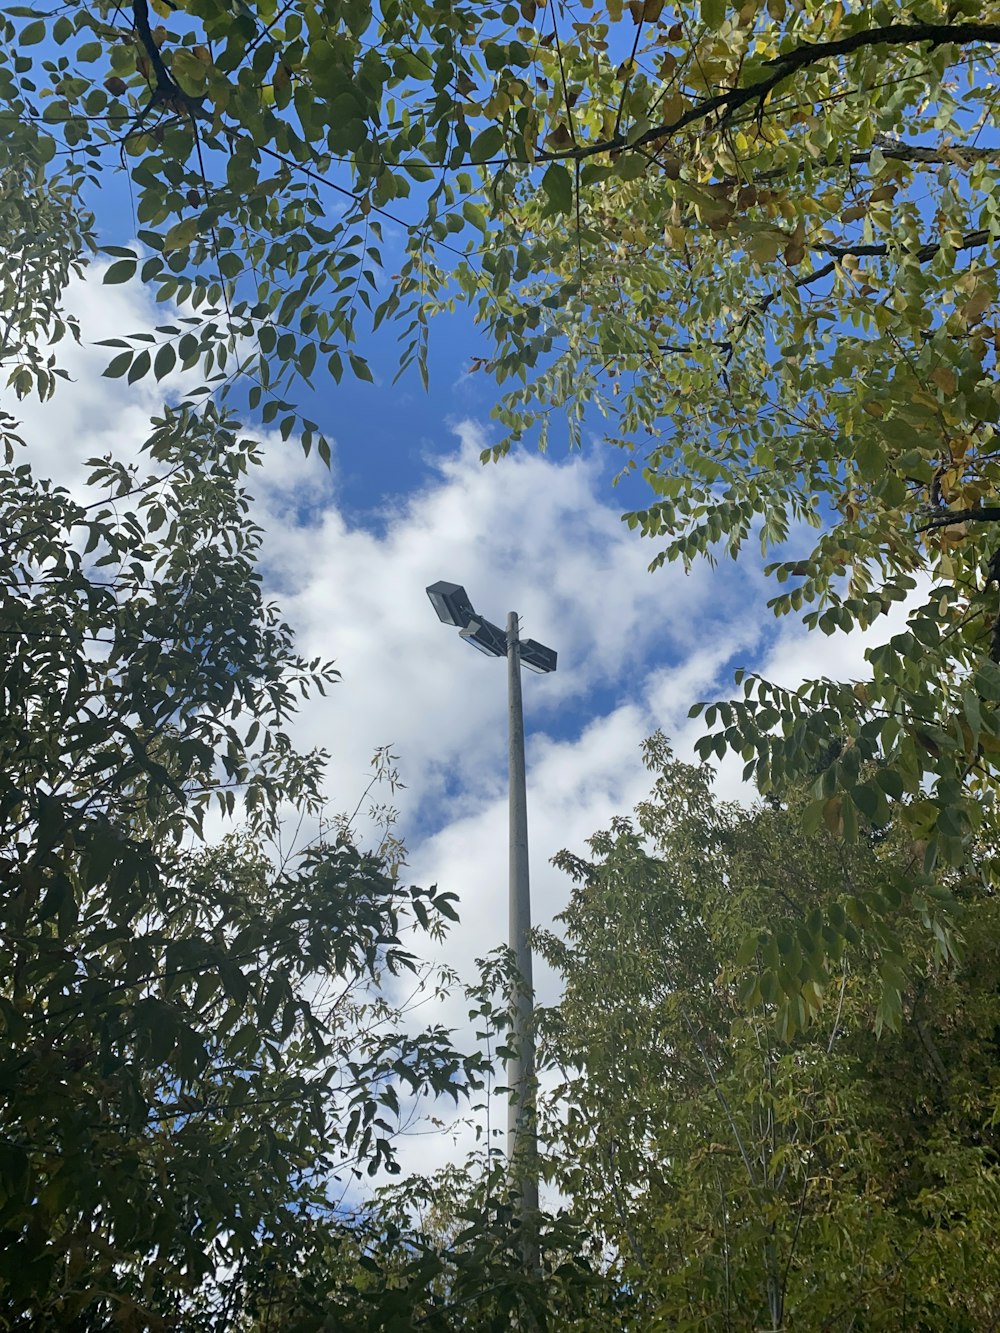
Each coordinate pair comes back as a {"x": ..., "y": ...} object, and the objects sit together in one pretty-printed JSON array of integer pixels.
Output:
[
  {"x": 890, "y": 149},
  {"x": 922, "y": 253},
  {"x": 724, "y": 105},
  {"x": 986, "y": 514},
  {"x": 166, "y": 91}
]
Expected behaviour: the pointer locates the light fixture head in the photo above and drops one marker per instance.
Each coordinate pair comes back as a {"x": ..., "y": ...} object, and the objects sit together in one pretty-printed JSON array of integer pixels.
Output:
[
  {"x": 451, "y": 602},
  {"x": 536, "y": 657},
  {"x": 488, "y": 638}
]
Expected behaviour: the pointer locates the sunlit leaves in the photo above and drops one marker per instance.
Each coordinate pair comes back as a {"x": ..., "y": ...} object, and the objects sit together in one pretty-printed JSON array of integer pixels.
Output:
[
  {"x": 759, "y": 240},
  {"x": 718, "y": 1063}
]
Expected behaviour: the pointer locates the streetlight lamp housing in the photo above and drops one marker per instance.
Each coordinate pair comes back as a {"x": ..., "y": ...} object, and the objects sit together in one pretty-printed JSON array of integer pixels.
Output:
[
  {"x": 536, "y": 657},
  {"x": 451, "y": 602},
  {"x": 487, "y": 637}
]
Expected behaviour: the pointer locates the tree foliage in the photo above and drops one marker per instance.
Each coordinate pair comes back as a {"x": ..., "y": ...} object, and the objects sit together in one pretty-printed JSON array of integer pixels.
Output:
[
  {"x": 742, "y": 1177},
  {"x": 199, "y": 1048},
  {"x": 760, "y": 239},
  {"x": 444, "y": 1254},
  {"x": 195, "y": 1046}
]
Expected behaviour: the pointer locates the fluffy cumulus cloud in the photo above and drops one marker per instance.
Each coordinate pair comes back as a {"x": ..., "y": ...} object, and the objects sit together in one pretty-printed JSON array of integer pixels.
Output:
[
  {"x": 91, "y": 416},
  {"x": 534, "y": 534}
]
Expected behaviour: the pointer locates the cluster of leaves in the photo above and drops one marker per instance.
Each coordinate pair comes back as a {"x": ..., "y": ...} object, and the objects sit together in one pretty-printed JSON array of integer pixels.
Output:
[
  {"x": 766, "y": 250},
  {"x": 194, "y": 1045},
  {"x": 265, "y": 150},
  {"x": 444, "y": 1254},
  {"x": 742, "y": 1175},
  {"x": 760, "y": 239},
  {"x": 46, "y": 233}
]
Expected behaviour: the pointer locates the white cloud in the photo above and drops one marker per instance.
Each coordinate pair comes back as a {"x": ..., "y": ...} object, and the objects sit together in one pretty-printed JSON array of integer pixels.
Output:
[{"x": 91, "y": 416}]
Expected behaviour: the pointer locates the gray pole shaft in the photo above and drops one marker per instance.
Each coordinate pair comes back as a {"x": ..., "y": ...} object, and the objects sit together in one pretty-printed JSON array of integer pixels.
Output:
[{"x": 522, "y": 1141}]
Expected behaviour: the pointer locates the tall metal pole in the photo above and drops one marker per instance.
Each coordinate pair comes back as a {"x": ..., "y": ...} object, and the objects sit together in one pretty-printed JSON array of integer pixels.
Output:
[{"x": 522, "y": 1137}]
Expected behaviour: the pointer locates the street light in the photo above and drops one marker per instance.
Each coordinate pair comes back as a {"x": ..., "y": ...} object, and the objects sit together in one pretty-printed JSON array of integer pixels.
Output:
[
  {"x": 452, "y": 604},
  {"x": 486, "y": 637}
]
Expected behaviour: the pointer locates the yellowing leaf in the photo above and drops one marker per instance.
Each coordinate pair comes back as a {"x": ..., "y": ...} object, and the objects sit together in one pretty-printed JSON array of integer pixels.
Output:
[
  {"x": 672, "y": 108},
  {"x": 795, "y": 250},
  {"x": 977, "y": 305},
  {"x": 559, "y": 137},
  {"x": 181, "y": 235},
  {"x": 831, "y": 815},
  {"x": 189, "y": 71},
  {"x": 953, "y": 535},
  {"x": 765, "y": 245}
]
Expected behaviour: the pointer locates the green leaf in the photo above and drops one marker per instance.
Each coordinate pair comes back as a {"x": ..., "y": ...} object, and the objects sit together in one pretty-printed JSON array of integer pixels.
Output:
[
  {"x": 119, "y": 364},
  {"x": 870, "y": 459},
  {"x": 476, "y": 216},
  {"x": 139, "y": 367},
  {"x": 713, "y": 13},
  {"x": 630, "y": 166},
  {"x": 488, "y": 145},
  {"x": 120, "y": 271},
  {"x": 361, "y": 368},
  {"x": 748, "y": 949},
  {"x": 558, "y": 186},
  {"x": 166, "y": 358}
]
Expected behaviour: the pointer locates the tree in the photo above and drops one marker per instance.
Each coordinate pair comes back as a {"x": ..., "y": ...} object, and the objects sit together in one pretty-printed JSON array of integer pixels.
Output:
[
  {"x": 742, "y": 1177},
  {"x": 760, "y": 238},
  {"x": 764, "y": 246},
  {"x": 196, "y": 1045},
  {"x": 445, "y": 1252}
]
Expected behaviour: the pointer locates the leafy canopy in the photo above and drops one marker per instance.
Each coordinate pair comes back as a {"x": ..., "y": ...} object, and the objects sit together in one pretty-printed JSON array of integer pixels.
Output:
[
  {"x": 194, "y": 1042},
  {"x": 198, "y": 1044},
  {"x": 760, "y": 239},
  {"x": 742, "y": 1173}
]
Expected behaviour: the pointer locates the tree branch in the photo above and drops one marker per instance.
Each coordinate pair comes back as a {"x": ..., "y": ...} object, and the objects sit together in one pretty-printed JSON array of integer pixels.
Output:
[
  {"x": 838, "y": 253},
  {"x": 166, "y": 89},
  {"x": 726, "y": 104},
  {"x": 922, "y": 253},
  {"x": 989, "y": 514},
  {"x": 728, "y": 345},
  {"x": 891, "y": 150}
]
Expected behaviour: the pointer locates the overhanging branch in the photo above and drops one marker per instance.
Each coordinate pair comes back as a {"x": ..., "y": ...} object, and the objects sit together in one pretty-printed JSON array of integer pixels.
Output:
[
  {"x": 724, "y": 105},
  {"x": 922, "y": 253},
  {"x": 986, "y": 514}
]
